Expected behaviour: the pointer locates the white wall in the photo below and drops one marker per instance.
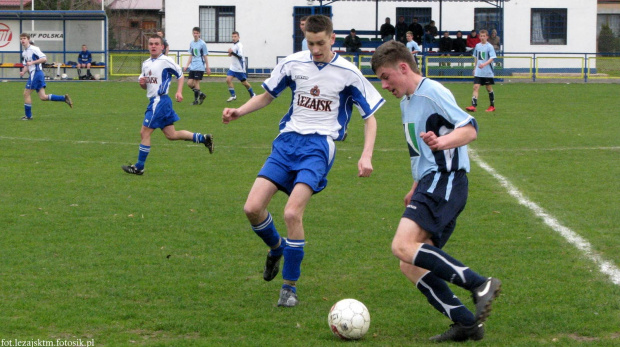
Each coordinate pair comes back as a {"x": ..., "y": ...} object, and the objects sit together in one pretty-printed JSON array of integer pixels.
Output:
[{"x": 267, "y": 31}]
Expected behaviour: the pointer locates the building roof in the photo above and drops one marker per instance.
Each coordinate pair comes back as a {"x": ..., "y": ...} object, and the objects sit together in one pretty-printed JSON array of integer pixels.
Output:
[
  {"x": 14, "y": 2},
  {"x": 134, "y": 4}
]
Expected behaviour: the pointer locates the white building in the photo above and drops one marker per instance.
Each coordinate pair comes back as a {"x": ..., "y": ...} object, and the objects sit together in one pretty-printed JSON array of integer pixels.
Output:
[{"x": 268, "y": 28}]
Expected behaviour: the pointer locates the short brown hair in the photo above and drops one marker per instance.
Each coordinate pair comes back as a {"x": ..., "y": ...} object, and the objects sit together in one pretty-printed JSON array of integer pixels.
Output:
[
  {"x": 319, "y": 23},
  {"x": 26, "y": 35},
  {"x": 155, "y": 36},
  {"x": 390, "y": 54},
  {"x": 483, "y": 31}
]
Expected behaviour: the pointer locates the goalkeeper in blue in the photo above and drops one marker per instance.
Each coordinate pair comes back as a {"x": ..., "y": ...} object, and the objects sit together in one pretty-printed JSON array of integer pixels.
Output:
[
  {"x": 157, "y": 72},
  {"x": 437, "y": 133},
  {"x": 325, "y": 87}
]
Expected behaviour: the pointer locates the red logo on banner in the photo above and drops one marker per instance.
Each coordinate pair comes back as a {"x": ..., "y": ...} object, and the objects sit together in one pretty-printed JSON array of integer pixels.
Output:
[{"x": 5, "y": 35}]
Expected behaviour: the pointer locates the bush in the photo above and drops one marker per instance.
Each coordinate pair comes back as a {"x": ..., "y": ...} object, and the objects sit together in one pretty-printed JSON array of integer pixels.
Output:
[{"x": 607, "y": 41}]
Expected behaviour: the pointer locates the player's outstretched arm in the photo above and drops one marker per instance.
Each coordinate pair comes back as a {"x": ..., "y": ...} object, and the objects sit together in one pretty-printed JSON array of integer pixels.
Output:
[
  {"x": 457, "y": 138},
  {"x": 364, "y": 165},
  {"x": 255, "y": 103}
]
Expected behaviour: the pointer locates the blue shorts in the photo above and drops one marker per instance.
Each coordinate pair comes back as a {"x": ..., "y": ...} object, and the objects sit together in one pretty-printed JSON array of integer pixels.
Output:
[
  {"x": 159, "y": 113},
  {"x": 437, "y": 201},
  {"x": 297, "y": 158},
  {"x": 36, "y": 81},
  {"x": 241, "y": 76}
]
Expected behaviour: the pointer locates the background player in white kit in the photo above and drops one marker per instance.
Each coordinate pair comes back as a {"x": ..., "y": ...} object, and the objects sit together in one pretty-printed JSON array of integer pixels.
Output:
[
  {"x": 237, "y": 68},
  {"x": 325, "y": 87},
  {"x": 33, "y": 60},
  {"x": 157, "y": 72}
]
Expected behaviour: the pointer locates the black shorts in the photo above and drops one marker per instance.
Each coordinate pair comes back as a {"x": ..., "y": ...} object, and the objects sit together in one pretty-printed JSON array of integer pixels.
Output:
[
  {"x": 437, "y": 201},
  {"x": 196, "y": 75},
  {"x": 484, "y": 81}
]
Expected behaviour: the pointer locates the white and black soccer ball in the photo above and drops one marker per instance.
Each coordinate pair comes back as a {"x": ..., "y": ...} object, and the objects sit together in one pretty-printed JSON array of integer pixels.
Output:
[{"x": 349, "y": 319}]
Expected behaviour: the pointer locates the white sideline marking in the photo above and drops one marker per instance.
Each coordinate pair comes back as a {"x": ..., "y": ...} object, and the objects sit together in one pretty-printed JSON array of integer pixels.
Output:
[{"x": 573, "y": 238}]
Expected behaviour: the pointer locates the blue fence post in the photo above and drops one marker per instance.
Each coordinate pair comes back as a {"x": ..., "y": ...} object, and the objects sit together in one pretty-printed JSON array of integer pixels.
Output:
[
  {"x": 585, "y": 71},
  {"x": 534, "y": 68}
]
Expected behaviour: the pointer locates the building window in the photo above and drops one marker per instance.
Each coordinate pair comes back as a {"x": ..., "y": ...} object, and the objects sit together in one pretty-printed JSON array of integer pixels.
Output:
[
  {"x": 612, "y": 20},
  {"x": 548, "y": 26},
  {"x": 217, "y": 23},
  {"x": 423, "y": 14},
  {"x": 488, "y": 19}
]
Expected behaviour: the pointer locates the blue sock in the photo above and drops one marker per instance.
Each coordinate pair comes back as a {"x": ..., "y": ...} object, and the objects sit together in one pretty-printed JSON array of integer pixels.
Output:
[
  {"x": 445, "y": 267},
  {"x": 293, "y": 255},
  {"x": 28, "y": 110},
  {"x": 266, "y": 230},
  {"x": 232, "y": 91},
  {"x": 198, "y": 138},
  {"x": 443, "y": 299},
  {"x": 142, "y": 154},
  {"x": 294, "y": 289},
  {"x": 53, "y": 97},
  {"x": 251, "y": 91}
]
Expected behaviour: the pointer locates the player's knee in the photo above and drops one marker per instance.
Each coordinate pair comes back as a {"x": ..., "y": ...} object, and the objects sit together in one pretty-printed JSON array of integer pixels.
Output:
[
  {"x": 292, "y": 216},
  {"x": 43, "y": 97},
  {"x": 252, "y": 211}
]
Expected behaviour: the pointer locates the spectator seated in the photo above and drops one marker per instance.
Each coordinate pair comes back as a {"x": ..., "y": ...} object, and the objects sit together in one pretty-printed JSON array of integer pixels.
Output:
[{"x": 370, "y": 40}]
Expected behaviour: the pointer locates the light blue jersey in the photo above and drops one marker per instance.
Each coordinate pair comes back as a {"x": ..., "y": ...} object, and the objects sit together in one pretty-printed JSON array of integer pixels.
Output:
[
  {"x": 484, "y": 53},
  {"x": 304, "y": 45},
  {"x": 432, "y": 107},
  {"x": 198, "y": 49},
  {"x": 413, "y": 46}
]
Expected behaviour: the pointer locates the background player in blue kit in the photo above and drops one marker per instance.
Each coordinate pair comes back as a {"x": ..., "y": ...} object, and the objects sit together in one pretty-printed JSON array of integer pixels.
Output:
[
  {"x": 484, "y": 54},
  {"x": 84, "y": 60},
  {"x": 157, "y": 72},
  {"x": 437, "y": 133},
  {"x": 197, "y": 64},
  {"x": 325, "y": 87},
  {"x": 33, "y": 60},
  {"x": 237, "y": 68}
]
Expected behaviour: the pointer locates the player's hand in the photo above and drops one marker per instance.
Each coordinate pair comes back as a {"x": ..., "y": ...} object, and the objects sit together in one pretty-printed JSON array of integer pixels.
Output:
[
  {"x": 431, "y": 140},
  {"x": 229, "y": 115},
  {"x": 21, "y": 73},
  {"x": 410, "y": 194},
  {"x": 481, "y": 66},
  {"x": 142, "y": 82},
  {"x": 364, "y": 167},
  {"x": 208, "y": 72},
  {"x": 179, "y": 96}
]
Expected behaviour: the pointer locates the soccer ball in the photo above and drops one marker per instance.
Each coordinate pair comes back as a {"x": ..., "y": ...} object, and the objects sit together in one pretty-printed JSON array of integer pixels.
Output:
[{"x": 349, "y": 319}]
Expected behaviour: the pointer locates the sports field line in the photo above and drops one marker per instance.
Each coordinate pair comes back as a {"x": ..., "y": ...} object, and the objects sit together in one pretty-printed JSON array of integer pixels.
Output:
[
  {"x": 268, "y": 145},
  {"x": 605, "y": 266}
]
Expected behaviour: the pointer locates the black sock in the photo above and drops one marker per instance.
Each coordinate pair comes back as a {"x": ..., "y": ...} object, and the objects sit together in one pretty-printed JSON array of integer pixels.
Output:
[
  {"x": 196, "y": 93},
  {"x": 492, "y": 98},
  {"x": 474, "y": 101}
]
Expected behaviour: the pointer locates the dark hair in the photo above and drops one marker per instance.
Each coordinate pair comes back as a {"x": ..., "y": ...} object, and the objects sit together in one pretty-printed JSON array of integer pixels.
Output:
[
  {"x": 161, "y": 31},
  {"x": 303, "y": 19},
  {"x": 319, "y": 23},
  {"x": 26, "y": 35},
  {"x": 235, "y": 32},
  {"x": 155, "y": 36},
  {"x": 390, "y": 54},
  {"x": 196, "y": 29}
]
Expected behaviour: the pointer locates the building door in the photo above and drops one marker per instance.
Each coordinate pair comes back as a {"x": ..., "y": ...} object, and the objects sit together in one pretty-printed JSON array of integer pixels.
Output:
[{"x": 302, "y": 11}]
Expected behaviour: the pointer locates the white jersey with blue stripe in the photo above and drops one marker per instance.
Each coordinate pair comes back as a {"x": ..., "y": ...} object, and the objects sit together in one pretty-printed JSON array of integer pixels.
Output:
[
  {"x": 237, "y": 64},
  {"x": 323, "y": 94},
  {"x": 32, "y": 53},
  {"x": 432, "y": 107},
  {"x": 158, "y": 73},
  {"x": 484, "y": 53}
]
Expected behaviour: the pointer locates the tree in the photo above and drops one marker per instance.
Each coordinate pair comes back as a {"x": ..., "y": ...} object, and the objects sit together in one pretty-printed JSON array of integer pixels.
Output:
[{"x": 607, "y": 41}]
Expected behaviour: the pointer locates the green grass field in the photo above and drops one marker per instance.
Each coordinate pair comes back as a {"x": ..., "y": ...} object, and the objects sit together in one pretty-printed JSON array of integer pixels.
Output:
[{"x": 168, "y": 259}]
